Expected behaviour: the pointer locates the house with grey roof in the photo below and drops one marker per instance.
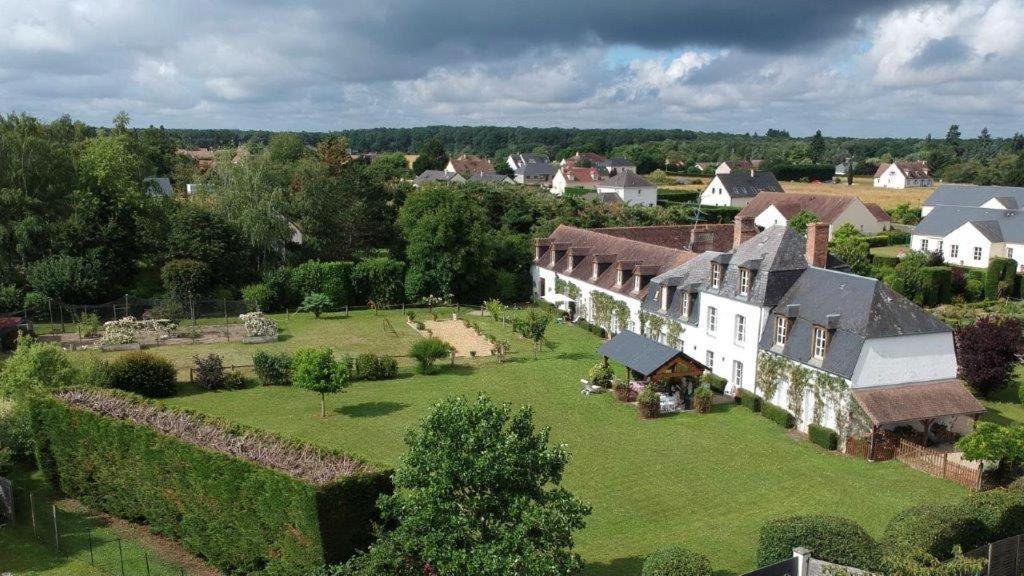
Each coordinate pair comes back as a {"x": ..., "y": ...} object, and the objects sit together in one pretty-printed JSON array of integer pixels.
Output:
[
  {"x": 517, "y": 161},
  {"x": 535, "y": 173},
  {"x": 438, "y": 176},
  {"x": 629, "y": 188},
  {"x": 158, "y": 186},
  {"x": 737, "y": 188},
  {"x": 778, "y": 317},
  {"x": 971, "y": 236},
  {"x": 616, "y": 165},
  {"x": 490, "y": 178},
  {"x": 971, "y": 196}
]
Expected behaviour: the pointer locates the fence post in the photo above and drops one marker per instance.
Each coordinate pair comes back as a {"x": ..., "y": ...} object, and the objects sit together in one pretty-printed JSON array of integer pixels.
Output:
[
  {"x": 146, "y": 556},
  {"x": 120, "y": 555},
  {"x": 945, "y": 462},
  {"x": 32, "y": 510},
  {"x": 227, "y": 327},
  {"x": 803, "y": 558},
  {"x": 56, "y": 533},
  {"x": 92, "y": 559}
]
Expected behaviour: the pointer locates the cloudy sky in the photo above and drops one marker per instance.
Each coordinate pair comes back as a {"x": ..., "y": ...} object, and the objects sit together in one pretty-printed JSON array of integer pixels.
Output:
[{"x": 858, "y": 68}]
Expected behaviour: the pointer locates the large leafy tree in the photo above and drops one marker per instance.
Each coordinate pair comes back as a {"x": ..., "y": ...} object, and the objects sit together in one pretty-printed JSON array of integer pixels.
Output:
[
  {"x": 801, "y": 219},
  {"x": 185, "y": 279},
  {"x": 379, "y": 278},
  {"x": 431, "y": 157},
  {"x": 64, "y": 278},
  {"x": 445, "y": 230},
  {"x": 479, "y": 493},
  {"x": 315, "y": 369},
  {"x": 987, "y": 352}
]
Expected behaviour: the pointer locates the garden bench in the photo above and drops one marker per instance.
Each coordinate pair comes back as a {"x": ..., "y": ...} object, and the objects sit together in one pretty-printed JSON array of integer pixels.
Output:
[{"x": 586, "y": 388}]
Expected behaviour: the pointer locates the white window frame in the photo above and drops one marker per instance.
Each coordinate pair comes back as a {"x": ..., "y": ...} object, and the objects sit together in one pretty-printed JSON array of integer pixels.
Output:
[
  {"x": 618, "y": 277},
  {"x": 781, "y": 330},
  {"x": 745, "y": 281},
  {"x": 954, "y": 250},
  {"x": 712, "y": 317},
  {"x": 977, "y": 253},
  {"x": 819, "y": 342},
  {"x": 741, "y": 328},
  {"x": 924, "y": 244},
  {"x": 664, "y": 298},
  {"x": 636, "y": 283},
  {"x": 737, "y": 373},
  {"x": 716, "y": 275},
  {"x": 709, "y": 360},
  {"x": 687, "y": 304}
]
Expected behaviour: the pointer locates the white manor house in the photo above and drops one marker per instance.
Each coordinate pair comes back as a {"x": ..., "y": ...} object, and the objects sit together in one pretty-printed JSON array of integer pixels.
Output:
[{"x": 772, "y": 313}]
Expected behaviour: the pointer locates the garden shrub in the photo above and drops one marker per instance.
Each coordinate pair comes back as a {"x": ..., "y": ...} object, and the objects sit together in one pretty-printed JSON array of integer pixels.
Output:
[
  {"x": 713, "y": 381},
  {"x": 702, "y": 399},
  {"x": 258, "y": 297},
  {"x": 778, "y": 415},
  {"x": 375, "y": 367},
  {"x": 824, "y": 437},
  {"x": 601, "y": 375},
  {"x": 428, "y": 351},
  {"x": 884, "y": 261},
  {"x": 269, "y": 507},
  {"x": 208, "y": 372},
  {"x": 167, "y": 308},
  {"x": 272, "y": 369},
  {"x": 236, "y": 381},
  {"x": 279, "y": 285},
  {"x": 144, "y": 374},
  {"x": 935, "y": 529},
  {"x": 37, "y": 305},
  {"x": 648, "y": 403},
  {"x": 257, "y": 324},
  {"x": 832, "y": 538},
  {"x": 622, "y": 391},
  {"x": 1000, "y": 278},
  {"x": 1001, "y": 511},
  {"x": 938, "y": 285},
  {"x": 1020, "y": 392},
  {"x": 317, "y": 303},
  {"x": 750, "y": 400},
  {"x": 676, "y": 561},
  {"x": 10, "y": 298}
]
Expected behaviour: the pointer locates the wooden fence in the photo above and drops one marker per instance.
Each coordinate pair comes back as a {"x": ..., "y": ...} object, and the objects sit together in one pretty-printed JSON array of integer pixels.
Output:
[
  {"x": 861, "y": 448},
  {"x": 938, "y": 464}
]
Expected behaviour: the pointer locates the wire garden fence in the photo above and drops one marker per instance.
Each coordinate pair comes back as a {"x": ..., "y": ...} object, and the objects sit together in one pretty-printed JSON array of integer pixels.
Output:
[{"x": 78, "y": 534}]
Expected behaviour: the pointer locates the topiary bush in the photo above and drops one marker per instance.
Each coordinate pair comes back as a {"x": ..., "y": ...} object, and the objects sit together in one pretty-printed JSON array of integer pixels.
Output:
[
  {"x": 428, "y": 351},
  {"x": 778, "y": 415},
  {"x": 1000, "y": 278},
  {"x": 648, "y": 403},
  {"x": 272, "y": 369},
  {"x": 935, "y": 529},
  {"x": 750, "y": 401},
  {"x": 832, "y": 538},
  {"x": 208, "y": 372},
  {"x": 375, "y": 367},
  {"x": 143, "y": 373},
  {"x": 824, "y": 437},
  {"x": 676, "y": 561},
  {"x": 1000, "y": 510}
]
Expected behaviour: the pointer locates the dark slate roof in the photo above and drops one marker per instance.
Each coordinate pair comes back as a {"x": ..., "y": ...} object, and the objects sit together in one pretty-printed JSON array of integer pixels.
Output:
[
  {"x": 740, "y": 184},
  {"x": 536, "y": 169},
  {"x": 971, "y": 195},
  {"x": 638, "y": 353},
  {"x": 529, "y": 158},
  {"x": 434, "y": 176},
  {"x": 996, "y": 224},
  {"x": 489, "y": 177},
  {"x": 158, "y": 186},
  {"x": 862, "y": 308},
  {"x": 626, "y": 179}
]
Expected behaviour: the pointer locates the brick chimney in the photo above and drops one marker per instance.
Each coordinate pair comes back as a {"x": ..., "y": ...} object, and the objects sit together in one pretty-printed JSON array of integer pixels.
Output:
[
  {"x": 817, "y": 244},
  {"x": 743, "y": 229}
]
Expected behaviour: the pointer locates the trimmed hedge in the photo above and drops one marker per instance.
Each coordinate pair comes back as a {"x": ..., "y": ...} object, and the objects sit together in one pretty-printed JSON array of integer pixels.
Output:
[
  {"x": 375, "y": 367},
  {"x": 1000, "y": 271},
  {"x": 676, "y": 561},
  {"x": 832, "y": 538},
  {"x": 144, "y": 373},
  {"x": 824, "y": 437},
  {"x": 750, "y": 400},
  {"x": 938, "y": 285},
  {"x": 795, "y": 172},
  {"x": 935, "y": 529},
  {"x": 243, "y": 517},
  {"x": 778, "y": 415},
  {"x": 273, "y": 369}
]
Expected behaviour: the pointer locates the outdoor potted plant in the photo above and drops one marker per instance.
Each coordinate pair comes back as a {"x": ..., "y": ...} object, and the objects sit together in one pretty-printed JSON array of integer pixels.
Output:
[
  {"x": 621, "y": 390},
  {"x": 120, "y": 335},
  {"x": 702, "y": 397},
  {"x": 258, "y": 328},
  {"x": 648, "y": 403}
]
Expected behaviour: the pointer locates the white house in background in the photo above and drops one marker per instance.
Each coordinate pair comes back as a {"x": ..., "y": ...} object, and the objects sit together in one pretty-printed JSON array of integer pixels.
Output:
[
  {"x": 775, "y": 298},
  {"x": 517, "y": 161},
  {"x": 730, "y": 166},
  {"x": 468, "y": 164},
  {"x": 535, "y": 174},
  {"x": 571, "y": 177},
  {"x": 775, "y": 209},
  {"x": 592, "y": 158},
  {"x": 738, "y": 188},
  {"x": 631, "y": 188},
  {"x": 903, "y": 175},
  {"x": 971, "y": 236},
  {"x": 971, "y": 196},
  {"x": 617, "y": 165}
]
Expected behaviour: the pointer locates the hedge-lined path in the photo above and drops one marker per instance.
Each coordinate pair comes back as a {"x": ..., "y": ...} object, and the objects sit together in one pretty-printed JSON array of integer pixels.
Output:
[{"x": 707, "y": 482}]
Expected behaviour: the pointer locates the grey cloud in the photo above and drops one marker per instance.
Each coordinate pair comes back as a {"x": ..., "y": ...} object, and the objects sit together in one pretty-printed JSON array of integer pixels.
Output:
[{"x": 942, "y": 51}]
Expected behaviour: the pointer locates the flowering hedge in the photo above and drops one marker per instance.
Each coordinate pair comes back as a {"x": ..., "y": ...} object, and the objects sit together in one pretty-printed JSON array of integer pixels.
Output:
[
  {"x": 258, "y": 325},
  {"x": 121, "y": 331}
]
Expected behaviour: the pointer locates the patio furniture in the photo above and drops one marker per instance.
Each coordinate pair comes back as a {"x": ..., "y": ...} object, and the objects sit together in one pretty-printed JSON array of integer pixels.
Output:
[
  {"x": 586, "y": 388},
  {"x": 669, "y": 403}
]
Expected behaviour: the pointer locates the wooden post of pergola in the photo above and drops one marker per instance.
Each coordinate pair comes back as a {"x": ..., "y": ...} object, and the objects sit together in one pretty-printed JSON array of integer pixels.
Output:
[
  {"x": 871, "y": 448},
  {"x": 927, "y": 424}
]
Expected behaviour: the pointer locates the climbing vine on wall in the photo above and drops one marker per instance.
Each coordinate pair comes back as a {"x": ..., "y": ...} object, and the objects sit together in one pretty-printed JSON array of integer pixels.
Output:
[
  {"x": 602, "y": 306},
  {"x": 657, "y": 323},
  {"x": 799, "y": 379},
  {"x": 621, "y": 310},
  {"x": 566, "y": 288},
  {"x": 770, "y": 369},
  {"x": 828, "y": 390},
  {"x": 674, "y": 329}
]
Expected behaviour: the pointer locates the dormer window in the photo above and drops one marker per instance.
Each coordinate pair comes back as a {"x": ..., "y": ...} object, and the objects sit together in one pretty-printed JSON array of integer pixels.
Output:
[
  {"x": 618, "y": 277},
  {"x": 745, "y": 280},
  {"x": 687, "y": 304},
  {"x": 819, "y": 344},
  {"x": 781, "y": 330},
  {"x": 636, "y": 283},
  {"x": 716, "y": 275},
  {"x": 596, "y": 271},
  {"x": 664, "y": 298}
]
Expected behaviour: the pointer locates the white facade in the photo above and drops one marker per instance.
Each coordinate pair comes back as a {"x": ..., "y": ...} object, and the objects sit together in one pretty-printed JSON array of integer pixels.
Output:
[
  {"x": 967, "y": 246},
  {"x": 856, "y": 213},
  {"x": 715, "y": 194},
  {"x": 636, "y": 195},
  {"x": 902, "y": 359},
  {"x": 893, "y": 177},
  {"x": 547, "y": 279}
]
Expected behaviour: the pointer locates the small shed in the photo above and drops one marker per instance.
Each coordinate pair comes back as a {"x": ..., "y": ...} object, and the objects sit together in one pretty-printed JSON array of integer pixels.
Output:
[{"x": 648, "y": 359}]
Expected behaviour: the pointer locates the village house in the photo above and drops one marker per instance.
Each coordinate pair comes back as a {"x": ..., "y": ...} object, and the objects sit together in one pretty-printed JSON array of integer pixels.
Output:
[
  {"x": 202, "y": 156},
  {"x": 490, "y": 178},
  {"x": 903, "y": 175},
  {"x": 468, "y": 164},
  {"x": 730, "y": 166},
  {"x": 705, "y": 166},
  {"x": 971, "y": 236},
  {"x": 440, "y": 176},
  {"x": 591, "y": 158},
  {"x": 629, "y": 188},
  {"x": 517, "y": 161},
  {"x": 535, "y": 174},
  {"x": 776, "y": 209},
  {"x": 738, "y": 188},
  {"x": 971, "y": 196},
  {"x": 617, "y": 165},
  {"x": 569, "y": 176},
  {"x": 774, "y": 315}
]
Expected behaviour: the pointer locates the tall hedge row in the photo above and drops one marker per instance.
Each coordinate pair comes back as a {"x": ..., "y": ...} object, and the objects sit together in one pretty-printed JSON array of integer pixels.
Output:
[
  {"x": 241, "y": 516},
  {"x": 938, "y": 285},
  {"x": 1000, "y": 271},
  {"x": 831, "y": 538}
]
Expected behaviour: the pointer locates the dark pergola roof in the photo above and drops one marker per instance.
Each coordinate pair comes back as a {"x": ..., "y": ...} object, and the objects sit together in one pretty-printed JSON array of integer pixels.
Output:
[
  {"x": 639, "y": 354},
  {"x": 916, "y": 402}
]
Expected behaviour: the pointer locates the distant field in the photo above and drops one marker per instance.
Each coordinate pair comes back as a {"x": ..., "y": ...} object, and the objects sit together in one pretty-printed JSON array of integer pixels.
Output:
[{"x": 863, "y": 189}]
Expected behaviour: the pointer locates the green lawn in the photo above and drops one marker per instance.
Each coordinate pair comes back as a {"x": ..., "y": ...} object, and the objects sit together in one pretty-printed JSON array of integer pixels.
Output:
[
  {"x": 889, "y": 251},
  {"x": 707, "y": 482},
  {"x": 1004, "y": 407}
]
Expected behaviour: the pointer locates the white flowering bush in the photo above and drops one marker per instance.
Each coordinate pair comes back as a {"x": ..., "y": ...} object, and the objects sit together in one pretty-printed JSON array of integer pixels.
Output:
[
  {"x": 162, "y": 328},
  {"x": 258, "y": 325},
  {"x": 121, "y": 331}
]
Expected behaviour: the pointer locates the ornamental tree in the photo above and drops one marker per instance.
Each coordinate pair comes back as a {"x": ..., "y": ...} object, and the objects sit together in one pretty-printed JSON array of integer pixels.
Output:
[
  {"x": 987, "y": 352},
  {"x": 316, "y": 303},
  {"x": 479, "y": 493},
  {"x": 535, "y": 324},
  {"x": 993, "y": 442},
  {"x": 316, "y": 369}
]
